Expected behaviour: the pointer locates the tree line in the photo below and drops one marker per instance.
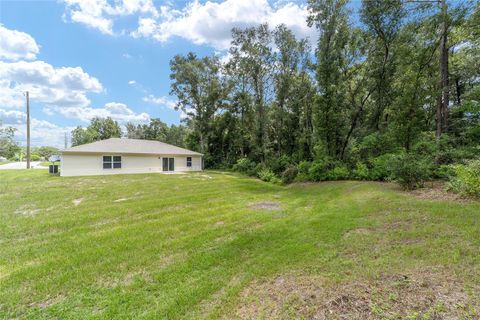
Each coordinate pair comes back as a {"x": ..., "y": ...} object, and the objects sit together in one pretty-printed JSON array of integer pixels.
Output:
[
  {"x": 406, "y": 74},
  {"x": 400, "y": 79}
]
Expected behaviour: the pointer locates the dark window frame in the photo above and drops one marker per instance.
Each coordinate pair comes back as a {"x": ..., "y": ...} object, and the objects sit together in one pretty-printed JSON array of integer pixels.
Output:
[
  {"x": 112, "y": 162},
  {"x": 189, "y": 162}
]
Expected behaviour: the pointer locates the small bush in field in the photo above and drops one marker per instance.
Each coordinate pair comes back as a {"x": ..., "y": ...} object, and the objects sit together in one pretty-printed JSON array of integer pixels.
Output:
[
  {"x": 276, "y": 180},
  {"x": 409, "y": 171},
  {"x": 245, "y": 165},
  {"x": 361, "y": 171},
  {"x": 266, "y": 175},
  {"x": 466, "y": 179},
  {"x": 289, "y": 174}
]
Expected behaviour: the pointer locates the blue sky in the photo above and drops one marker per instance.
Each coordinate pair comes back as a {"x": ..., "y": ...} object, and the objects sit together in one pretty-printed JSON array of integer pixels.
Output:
[{"x": 85, "y": 58}]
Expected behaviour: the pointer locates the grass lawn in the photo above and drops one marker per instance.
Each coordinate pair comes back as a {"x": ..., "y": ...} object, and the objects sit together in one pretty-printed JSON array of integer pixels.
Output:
[{"x": 217, "y": 245}]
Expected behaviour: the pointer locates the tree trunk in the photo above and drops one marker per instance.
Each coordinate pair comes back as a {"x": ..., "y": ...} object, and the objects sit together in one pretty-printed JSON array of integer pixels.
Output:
[{"x": 443, "y": 96}]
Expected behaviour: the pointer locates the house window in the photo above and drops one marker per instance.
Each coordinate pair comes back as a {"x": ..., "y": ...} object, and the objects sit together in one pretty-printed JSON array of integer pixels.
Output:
[
  {"x": 110, "y": 162},
  {"x": 189, "y": 161}
]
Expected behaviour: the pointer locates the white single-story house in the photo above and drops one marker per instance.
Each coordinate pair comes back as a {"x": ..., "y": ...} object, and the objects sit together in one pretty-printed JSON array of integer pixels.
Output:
[{"x": 119, "y": 156}]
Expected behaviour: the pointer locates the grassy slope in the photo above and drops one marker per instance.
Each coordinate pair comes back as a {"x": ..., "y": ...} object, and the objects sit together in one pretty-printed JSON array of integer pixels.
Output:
[{"x": 185, "y": 246}]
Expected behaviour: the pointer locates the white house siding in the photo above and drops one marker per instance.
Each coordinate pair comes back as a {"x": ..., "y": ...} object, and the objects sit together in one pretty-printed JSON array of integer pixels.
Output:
[{"x": 81, "y": 164}]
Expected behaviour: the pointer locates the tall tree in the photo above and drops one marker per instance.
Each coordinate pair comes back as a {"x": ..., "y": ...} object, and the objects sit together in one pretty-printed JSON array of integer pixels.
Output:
[
  {"x": 290, "y": 115},
  {"x": 331, "y": 19},
  {"x": 98, "y": 129},
  {"x": 383, "y": 20},
  {"x": 251, "y": 53},
  {"x": 200, "y": 88}
]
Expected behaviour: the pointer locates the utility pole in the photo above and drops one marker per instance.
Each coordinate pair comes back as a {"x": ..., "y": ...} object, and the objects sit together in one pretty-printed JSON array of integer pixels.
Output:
[
  {"x": 66, "y": 140},
  {"x": 28, "y": 129}
]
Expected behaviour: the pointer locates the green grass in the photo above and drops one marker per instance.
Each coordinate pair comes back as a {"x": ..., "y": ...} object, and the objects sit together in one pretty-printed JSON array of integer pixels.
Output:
[{"x": 186, "y": 246}]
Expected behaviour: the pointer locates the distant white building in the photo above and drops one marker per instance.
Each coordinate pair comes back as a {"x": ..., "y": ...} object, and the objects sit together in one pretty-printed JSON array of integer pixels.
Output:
[{"x": 120, "y": 156}]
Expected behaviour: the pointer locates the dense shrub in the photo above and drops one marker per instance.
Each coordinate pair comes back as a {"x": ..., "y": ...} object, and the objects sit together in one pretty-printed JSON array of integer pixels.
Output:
[
  {"x": 445, "y": 172},
  {"x": 376, "y": 144},
  {"x": 245, "y": 165},
  {"x": 279, "y": 164},
  {"x": 339, "y": 172},
  {"x": 327, "y": 169},
  {"x": 466, "y": 180},
  {"x": 289, "y": 174},
  {"x": 408, "y": 170},
  {"x": 361, "y": 172},
  {"x": 380, "y": 167},
  {"x": 318, "y": 170},
  {"x": 303, "y": 171},
  {"x": 266, "y": 175},
  {"x": 35, "y": 157}
]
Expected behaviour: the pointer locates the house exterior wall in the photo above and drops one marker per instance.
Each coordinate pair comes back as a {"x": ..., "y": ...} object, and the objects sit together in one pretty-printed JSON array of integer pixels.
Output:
[{"x": 82, "y": 164}]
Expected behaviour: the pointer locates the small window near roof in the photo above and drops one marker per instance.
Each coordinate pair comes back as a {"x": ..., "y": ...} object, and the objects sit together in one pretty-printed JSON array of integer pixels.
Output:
[
  {"x": 110, "y": 162},
  {"x": 189, "y": 161}
]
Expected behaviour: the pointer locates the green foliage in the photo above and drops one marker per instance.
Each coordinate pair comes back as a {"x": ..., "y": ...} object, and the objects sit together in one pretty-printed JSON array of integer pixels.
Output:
[
  {"x": 327, "y": 169},
  {"x": 466, "y": 179},
  {"x": 47, "y": 152},
  {"x": 409, "y": 170},
  {"x": 266, "y": 175},
  {"x": 380, "y": 167},
  {"x": 369, "y": 91},
  {"x": 339, "y": 172},
  {"x": 8, "y": 147},
  {"x": 289, "y": 174},
  {"x": 279, "y": 164},
  {"x": 376, "y": 144},
  {"x": 35, "y": 157},
  {"x": 158, "y": 130},
  {"x": 304, "y": 171},
  {"x": 318, "y": 170},
  {"x": 361, "y": 172},
  {"x": 99, "y": 129},
  {"x": 245, "y": 166}
]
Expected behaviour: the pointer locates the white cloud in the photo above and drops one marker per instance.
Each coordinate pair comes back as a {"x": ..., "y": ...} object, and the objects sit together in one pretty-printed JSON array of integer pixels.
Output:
[
  {"x": 102, "y": 24},
  {"x": 99, "y": 14},
  {"x": 63, "y": 86},
  {"x": 204, "y": 23},
  {"x": 132, "y": 82},
  {"x": 163, "y": 101},
  {"x": 115, "y": 110},
  {"x": 10, "y": 117},
  {"x": 15, "y": 45},
  {"x": 211, "y": 23},
  {"x": 42, "y": 132}
]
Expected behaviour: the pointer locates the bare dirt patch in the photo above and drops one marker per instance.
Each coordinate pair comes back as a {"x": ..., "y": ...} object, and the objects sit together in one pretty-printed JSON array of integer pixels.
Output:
[
  {"x": 358, "y": 231},
  {"x": 27, "y": 210},
  {"x": 422, "y": 294},
  {"x": 266, "y": 205},
  {"x": 76, "y": 202},
  {"x": 436, "y": 190},
  {"x": 125, "y": 280},
  {"x": 48, "y": 302}
]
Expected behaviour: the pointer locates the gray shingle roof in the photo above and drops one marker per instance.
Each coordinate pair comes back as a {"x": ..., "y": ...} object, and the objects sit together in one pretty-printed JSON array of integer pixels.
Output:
[{"x": 133, "y": 146}]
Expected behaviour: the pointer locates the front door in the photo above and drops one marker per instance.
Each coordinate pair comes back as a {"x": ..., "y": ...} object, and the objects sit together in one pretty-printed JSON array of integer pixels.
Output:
[{"x": 168, "y": 164}]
